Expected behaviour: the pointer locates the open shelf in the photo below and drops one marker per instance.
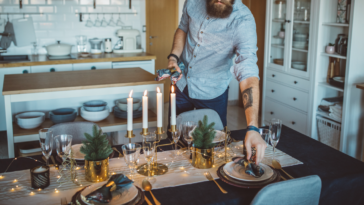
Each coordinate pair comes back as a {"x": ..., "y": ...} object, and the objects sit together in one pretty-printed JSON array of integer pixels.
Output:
[
  {"x": 277, "y": 46},
  {"x": 333, "y": 55},
  {"x": 279, "y": 20},
  {"x": 111, "y": 120},
  {"x": 325, "y": 84},
  {"x": 302, "y": 22},
  {"x": 336, "y": 24},
  {"x": 300, "y": 50},
  {"x": 326, "y": 115}
]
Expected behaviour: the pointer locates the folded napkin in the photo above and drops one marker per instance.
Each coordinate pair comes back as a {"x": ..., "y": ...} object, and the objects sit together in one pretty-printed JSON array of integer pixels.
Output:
[
  {"x": 249, "y": 165},
  {"x": 172, "y": 73},
  {"x": 103, "y": 194}
]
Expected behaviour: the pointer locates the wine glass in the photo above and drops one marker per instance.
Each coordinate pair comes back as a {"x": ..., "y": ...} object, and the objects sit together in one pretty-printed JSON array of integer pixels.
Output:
[
  {"x": 175, "y": 136},
  {"x": 46, "y": 142},
  {"x": 89, "y": 22},
  {"x": 103, "y": 22},
  {"x": 149, "y": 149},
  {"x": 111, "y": 22},
  {"x": 97, "y": 21},
  {"x": 187, "y": 127},
  {"x": 119, "y": 22},
  {"x": 275, "y": 128},
  {"x": 63, "y": 145},
  {"x": 131, "y": 153}
]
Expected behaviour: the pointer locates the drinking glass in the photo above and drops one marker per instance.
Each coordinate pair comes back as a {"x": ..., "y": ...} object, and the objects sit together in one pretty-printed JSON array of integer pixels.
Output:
[
  {"x": 89, "y": 22},
  {"x": 265, "y": 133},
  {"x": 111, "y": 22},
  {"x": 46, "y": 142},
  {"x": 119, "y": 22},
  {"x": 149, "y": 149},
  {"x": 187, "y": 127},
  {"x": 275, "y": 128},
  {"x": 63, "y": 146},
  {"x": 103, "y": 22},
  {"x": 97, "y": 21},
  {"x": 131, "y": 153},
  {"x": 175, "y": 136}
]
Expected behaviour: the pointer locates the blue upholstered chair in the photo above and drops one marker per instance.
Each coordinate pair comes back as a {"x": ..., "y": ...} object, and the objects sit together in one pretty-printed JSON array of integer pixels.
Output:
[
  {"x": 300, "y": 191},
  {"x": 196, "y": 115}
]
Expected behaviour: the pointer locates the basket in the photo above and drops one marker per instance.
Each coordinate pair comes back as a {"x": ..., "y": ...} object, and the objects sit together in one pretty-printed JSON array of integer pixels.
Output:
[{"x": 328, "y": 132}]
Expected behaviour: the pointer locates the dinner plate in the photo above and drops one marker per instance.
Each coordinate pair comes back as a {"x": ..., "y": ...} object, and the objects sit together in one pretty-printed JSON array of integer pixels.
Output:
[
  {"x": 234, "y": 171},
  {"x": 77, "y": 155},
  {"x": 339, "y": 79},
  {"x": 219, "y": 136},
  {"x": 122, "y": 196}
]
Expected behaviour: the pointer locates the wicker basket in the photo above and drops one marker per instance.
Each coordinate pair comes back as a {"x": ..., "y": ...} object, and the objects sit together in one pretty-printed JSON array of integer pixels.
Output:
[{"x": 328, "y": 132}]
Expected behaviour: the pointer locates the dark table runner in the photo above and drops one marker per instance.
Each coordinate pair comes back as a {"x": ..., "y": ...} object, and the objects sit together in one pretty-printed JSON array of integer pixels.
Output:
[{"x": 342, "y": 176}]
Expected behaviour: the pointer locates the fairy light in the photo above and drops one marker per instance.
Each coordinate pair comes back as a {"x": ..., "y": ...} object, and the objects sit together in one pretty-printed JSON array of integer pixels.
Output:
[
  {"x": 12, "y": 189},
  {"x": 58, "y": 176},
  {"x": 1, "y": 176},
  {"x": 56, "y": 190},
  {"x": 39, "y": 189},
  {"x": 16, "y": 186},
  {"x": 15, "y": 180},
  {"x": 31, "y": 193}
]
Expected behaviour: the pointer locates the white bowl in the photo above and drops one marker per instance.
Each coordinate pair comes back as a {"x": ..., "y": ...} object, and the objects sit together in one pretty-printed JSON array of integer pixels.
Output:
[
  {"x": 123, "y": 105},
  {"x": 300, "y": 37},
  {"x": 30, "y": 120},
  {"x": 299, "y": 44},
  {"x": 299, "y": 65},
  {"x": 94, "y": 116}
]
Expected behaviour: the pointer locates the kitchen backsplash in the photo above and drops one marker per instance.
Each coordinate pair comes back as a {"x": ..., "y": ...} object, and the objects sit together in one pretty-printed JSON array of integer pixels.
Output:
[{"x": 59, "y": 21}]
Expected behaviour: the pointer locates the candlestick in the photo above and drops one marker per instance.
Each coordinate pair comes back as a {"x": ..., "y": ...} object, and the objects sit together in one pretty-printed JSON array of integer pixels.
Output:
[
  {"x": 145, "y": 110},
  {"x": 173, "y": 106},
  {"x": 159, "y": 108},
  {"x": 130, "y": 111}
]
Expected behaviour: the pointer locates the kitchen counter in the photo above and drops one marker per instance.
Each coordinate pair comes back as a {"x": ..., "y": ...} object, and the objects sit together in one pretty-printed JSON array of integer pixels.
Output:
[
  {"x": 104, "y": 57},
  {"x": 360, "y": 86}
]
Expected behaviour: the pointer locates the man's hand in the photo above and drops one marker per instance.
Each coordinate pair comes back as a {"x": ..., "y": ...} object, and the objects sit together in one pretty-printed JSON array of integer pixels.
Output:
[
  {"x": 172, "y": 63},
  {"x": 253, "y": 139}
]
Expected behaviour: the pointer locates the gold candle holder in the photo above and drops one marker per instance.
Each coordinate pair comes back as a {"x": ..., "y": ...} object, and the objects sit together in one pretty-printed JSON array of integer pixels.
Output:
[
  {"x": 129, "y": 134},
  {"x": 173, "y": 128},
  {"x": 159, "y": 131},
  {"x": 144, "y": 132}
]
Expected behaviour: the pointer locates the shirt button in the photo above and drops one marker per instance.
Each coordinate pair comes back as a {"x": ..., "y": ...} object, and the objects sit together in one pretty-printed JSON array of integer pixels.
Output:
[
  {"x": 198, "y": 45},
  {"x": 190, "y": 66},
  {"x": 207, "y": 18},
  {"x": 194, "y": 56},
  {"x": 201, "y": 31},
  {"x": 188, "y": 76}
]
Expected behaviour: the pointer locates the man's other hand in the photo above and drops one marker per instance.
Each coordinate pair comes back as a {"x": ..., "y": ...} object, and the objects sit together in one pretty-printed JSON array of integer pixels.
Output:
[{"x": 172, "y": 63}]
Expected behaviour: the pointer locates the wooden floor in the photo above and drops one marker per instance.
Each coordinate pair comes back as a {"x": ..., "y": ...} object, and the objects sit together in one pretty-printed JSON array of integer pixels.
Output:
[{"x": 235, "y": 121}]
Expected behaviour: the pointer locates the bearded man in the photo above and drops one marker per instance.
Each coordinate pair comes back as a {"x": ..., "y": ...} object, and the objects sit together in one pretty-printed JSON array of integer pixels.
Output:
[{"x": 210, "y": 34}]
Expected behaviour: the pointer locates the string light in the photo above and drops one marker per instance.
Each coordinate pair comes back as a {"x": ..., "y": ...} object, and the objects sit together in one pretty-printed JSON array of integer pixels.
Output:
[
  {"x": 31, "y": 193},
  {"x": 1, "y": 176},
  {"x": 15, "y": 180},
  {"x": 12, "y": 189},
  {"x": 39, "y": 189}
]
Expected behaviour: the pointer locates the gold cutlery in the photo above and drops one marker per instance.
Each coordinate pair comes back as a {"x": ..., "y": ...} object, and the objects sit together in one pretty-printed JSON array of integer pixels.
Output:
[
  {"x": 209, "y": 177},
  {"x": 45, "y": 159},
  {"x": 283, "y": 178},
  {"x": 54, "y": 162},
  {"x": 148, "y": 187},
  {"x": 277, "y": 165},
  {"x": 147, "y": 200},
  {"x": 120, "y": 155}
]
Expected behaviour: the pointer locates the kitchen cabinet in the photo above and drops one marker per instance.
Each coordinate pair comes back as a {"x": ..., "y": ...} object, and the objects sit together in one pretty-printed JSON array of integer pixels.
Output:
[
  {"x": 51, "y": 68},
  {"x": 5, "y": 71},
  {"x": 92, "y": 66},
  {"x": 147, "y": 65}
]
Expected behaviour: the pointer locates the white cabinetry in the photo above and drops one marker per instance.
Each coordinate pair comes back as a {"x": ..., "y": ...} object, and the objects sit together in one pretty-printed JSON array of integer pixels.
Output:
[
  {"x": 92, "y": 66},
  {"x": 147, "y": 65},
  {"x": 51, "y": 68}
]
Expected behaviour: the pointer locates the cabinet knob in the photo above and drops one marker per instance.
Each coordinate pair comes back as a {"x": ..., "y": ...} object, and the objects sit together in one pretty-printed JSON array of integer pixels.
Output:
[
  {"x": 294, "y": 99},
  {"x": 273, "y": 75},
  {"x": 271, "y": 113},
  {"x": 288, "y": 21},
  {"x": 93, "y": 68},
  {"x": 272, "y": 91},
  {"x": 295, "y": 82},
  {"x": 52, "y": 70},
  {"x": 293, "y": 122},
  {"x": 25, "y": 71}
]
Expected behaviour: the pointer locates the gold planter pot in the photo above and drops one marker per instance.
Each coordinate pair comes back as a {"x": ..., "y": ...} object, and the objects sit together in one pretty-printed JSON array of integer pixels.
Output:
[
  {"x": 97, "y": 171},
  {"x": 202, "y": 158}
]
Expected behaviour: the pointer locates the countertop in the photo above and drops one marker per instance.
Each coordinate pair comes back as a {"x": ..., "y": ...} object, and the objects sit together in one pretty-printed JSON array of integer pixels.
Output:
[
  {"x": 360, "y": 86},
  {"x": 104, "y": 57},
  {"x": 75, "y": 80}
]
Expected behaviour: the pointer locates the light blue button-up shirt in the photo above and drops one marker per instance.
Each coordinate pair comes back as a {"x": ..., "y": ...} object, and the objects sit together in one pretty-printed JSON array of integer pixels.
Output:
[{"x": 210, "y": 47}]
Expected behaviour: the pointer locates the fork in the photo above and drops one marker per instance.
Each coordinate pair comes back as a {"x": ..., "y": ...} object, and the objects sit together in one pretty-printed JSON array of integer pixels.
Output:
[{"x": 209, "y": 177}]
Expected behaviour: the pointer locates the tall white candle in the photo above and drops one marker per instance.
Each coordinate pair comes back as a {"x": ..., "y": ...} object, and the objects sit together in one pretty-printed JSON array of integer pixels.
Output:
[
  {"x": 159, "y": 108},
  {"x": 145, "y": 110},
  {"x": 130, "y": 111},
  {"x": 173, "y": 106}
]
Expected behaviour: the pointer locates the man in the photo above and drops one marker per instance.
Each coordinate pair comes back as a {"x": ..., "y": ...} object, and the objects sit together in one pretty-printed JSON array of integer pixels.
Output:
[{"x": 210, "y": 33}]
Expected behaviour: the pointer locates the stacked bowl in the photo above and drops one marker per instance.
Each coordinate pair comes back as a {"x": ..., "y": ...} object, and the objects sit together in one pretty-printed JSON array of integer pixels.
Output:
[
  {"x": 63, "y": 115},
  {"x": 300, "y": 41},
  {"x": 121, "y": 108},
  {"x": 30, "y": 120},
  {"x": 95, "y": 110}
]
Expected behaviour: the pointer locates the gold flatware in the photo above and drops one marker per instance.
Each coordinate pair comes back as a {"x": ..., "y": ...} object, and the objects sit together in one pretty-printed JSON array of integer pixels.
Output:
[
  {"x": 120, "y": 155},
  {"x": 147, "y": 200},
  {"x": 45, "y": 159},
  {"x": 148, "y": 187},
  {"x": 277, "y": 165},
  {"x": 209, "y": 177},
  {"x": 283, "y": 178},
  {"x": 54, "y": 162}
]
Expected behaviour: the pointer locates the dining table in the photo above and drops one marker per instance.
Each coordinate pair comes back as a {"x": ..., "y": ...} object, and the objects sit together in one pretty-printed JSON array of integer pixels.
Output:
[{"x": 342, "y": 176}]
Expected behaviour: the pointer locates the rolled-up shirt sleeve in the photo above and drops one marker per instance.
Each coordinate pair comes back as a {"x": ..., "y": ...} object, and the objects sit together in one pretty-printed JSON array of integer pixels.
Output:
[
  {"x": 183, "y": 25},
  {"x": 245, "y": 44}
]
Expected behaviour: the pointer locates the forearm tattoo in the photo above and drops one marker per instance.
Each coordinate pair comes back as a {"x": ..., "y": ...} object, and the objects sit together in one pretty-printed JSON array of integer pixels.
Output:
[{"x": 248, "y": 98}]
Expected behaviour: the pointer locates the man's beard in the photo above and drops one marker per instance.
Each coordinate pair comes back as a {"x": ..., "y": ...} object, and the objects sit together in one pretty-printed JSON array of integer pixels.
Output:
[{"x": 219, "y": 10}]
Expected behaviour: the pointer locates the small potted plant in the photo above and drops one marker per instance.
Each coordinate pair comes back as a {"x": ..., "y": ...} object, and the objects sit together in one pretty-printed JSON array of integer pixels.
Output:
[
  {"x": 97, "y": 150},
  {"x": 330, "y": 48},
  {"x": 203, "y": 146}
]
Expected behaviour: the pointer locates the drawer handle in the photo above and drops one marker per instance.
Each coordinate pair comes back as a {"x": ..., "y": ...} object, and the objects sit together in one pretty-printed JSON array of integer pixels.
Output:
[
  {"x": 273, "y": 75},
  {"x": 293, "y": 122},
  {"x": 271, "y": 113},
  {"x": 272, "y": 91},
  {"x": 295, "y": 82},
  {"x": 93, "y": 68},
  {"x": 294, "y": 99},
  {"x": 52, "y": 70},
  {"x": 25, "y": 71}
]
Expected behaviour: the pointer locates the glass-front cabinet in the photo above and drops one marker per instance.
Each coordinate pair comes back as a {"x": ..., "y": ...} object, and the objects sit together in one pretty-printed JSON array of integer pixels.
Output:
[{"x": 289, "y": 36}]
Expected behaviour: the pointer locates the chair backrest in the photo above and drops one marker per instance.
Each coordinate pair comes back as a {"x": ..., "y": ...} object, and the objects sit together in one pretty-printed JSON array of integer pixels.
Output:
[
  {"x": 76, "y": 129},
  {"x": 300, "y": 191},
  {"x": 196, "y": 115}
]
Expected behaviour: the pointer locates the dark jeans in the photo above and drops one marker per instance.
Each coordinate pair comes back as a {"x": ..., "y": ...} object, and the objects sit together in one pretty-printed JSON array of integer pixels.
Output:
[{"x": 185, "y": 103}]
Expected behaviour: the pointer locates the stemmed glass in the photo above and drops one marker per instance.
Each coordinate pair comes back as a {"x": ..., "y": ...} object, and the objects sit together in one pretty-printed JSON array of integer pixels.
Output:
[
  {"x": 149, "y": 149},
  {"x": 111, "y": 22},
  {"x": 103, "y": 22},
  {"x": 46, "y": 142},
  {"x": 275, "y": 128},
  {"x": 131, "y": 153},
  {"x": 175, "y": 136},
  {"x": 63, "y": 145},
  {"x": 187, "y": 127},
  {"x": 89, "y": 22},
  {"x": 97, "y": 21},
  {"x": 119, "y": 22}
]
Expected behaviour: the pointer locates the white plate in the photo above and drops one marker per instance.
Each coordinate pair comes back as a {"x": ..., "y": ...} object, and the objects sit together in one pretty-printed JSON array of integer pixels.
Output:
[
  {"x": 339, "y": 79},
  {"x": 219, "y": 136},
  {"x": 122, "y": 196},
  {"x": 232, "y": 172},
  {"x": 77, "y": 155}
]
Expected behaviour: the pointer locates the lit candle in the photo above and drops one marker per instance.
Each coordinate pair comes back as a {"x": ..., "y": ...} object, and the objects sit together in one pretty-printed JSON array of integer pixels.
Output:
[
  {"x": 130, "y": 111},
  {"x": 159, "y": 108},
  {"x": 145, "y": 110},
  {"x": 40, "y": 170},
  {"x": 173, "y": 106}
]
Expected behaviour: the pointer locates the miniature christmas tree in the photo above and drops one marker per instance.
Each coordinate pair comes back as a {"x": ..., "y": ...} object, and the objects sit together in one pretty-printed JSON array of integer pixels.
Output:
[
  {"x": 204, "y": 134},
  {"x": 96, "y": 147}
]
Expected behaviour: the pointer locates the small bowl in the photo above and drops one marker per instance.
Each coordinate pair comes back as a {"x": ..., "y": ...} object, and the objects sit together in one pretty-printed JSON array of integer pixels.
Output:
[
  {"x": 299, "y": 44},
  {"x": 299, "y": 65},
  {"x": 300, "y": 37},
  {"x": 30, "y": 120},
  {"x": 123, "y": 104},
  {"x": 63, "y": 115},
  {"x": 94, "y": 116},
  {"x": 85, "y": 54},
  {"x": 95, "y": 105},
  {"x": 278, "y": 61}
]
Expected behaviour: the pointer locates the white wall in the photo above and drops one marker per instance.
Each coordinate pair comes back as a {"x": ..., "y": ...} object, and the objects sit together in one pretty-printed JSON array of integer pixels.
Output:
[{"x": 59, "y": 21}]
